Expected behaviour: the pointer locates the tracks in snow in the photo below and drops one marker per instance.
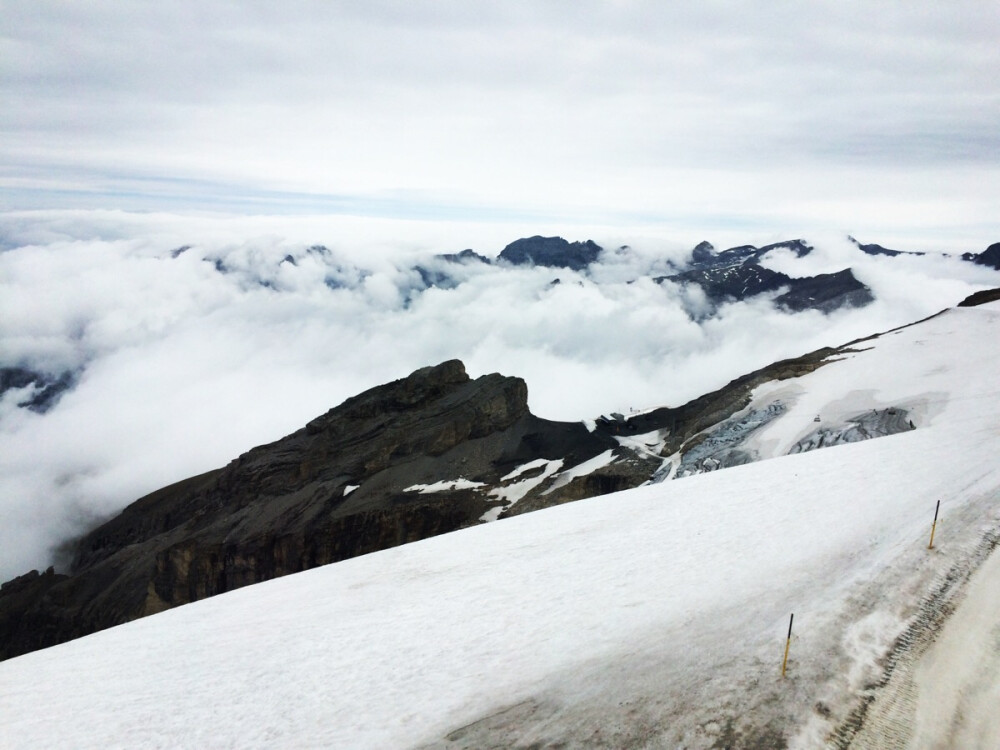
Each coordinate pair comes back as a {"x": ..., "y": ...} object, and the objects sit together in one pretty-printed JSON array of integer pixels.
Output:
[{"x": 884, "y": 718}]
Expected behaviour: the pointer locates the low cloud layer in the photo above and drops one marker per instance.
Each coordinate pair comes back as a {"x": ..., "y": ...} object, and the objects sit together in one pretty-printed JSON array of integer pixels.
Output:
[{"x": 188, "y": 357}]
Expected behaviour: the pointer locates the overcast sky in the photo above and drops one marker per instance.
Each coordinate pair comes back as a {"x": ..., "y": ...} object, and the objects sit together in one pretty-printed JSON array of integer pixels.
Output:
[{"x": 876, "y": 118}]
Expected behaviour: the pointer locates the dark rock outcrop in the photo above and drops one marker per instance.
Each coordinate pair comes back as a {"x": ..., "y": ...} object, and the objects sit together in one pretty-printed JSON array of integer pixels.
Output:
[
  {"x": 980, "y": 298},
  {"x": 989, "y": 257},
  {"x": 48, "y": 388},
  {"x": 826, "y": 292},
  {"x": 552, "y": 252},
  {"x": 730, "y": 283}
]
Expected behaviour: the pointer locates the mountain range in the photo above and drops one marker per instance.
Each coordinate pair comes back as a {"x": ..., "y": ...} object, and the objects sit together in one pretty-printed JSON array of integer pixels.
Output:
[{"x": 728, "y": 276}]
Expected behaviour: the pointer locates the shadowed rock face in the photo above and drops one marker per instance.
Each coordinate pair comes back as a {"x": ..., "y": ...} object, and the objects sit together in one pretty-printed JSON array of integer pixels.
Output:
[
  {"x": 980, "y": 298},
  {"x": 990, "y": 256}
]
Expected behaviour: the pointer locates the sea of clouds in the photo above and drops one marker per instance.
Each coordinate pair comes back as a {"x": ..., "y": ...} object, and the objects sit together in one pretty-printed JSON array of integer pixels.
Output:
[{"x": 186, "y": 358}]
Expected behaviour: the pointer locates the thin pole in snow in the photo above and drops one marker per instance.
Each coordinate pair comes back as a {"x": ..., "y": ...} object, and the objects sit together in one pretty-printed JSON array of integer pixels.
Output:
[
  {"x": 788, "y": 643},
  {"x": 934, "y": 525}
]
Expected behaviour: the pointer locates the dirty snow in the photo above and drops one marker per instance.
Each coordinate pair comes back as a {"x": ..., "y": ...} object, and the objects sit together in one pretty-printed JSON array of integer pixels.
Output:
[{"x": 654, "y": 617}]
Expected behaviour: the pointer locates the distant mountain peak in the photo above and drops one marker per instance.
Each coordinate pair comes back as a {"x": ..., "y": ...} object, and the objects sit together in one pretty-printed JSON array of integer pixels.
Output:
[
  {"x": 552, "y": 252},
  {"x": 704, "y": 252},
  {"x": 990, "y": 257}
]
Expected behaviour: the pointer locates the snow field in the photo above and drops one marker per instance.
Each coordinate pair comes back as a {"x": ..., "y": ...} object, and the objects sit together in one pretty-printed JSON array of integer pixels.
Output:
[{"x": 655, "y": 616}]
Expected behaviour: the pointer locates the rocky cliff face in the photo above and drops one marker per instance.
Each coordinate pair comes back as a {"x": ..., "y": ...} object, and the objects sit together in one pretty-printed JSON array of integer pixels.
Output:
[{"x": 990, "y": 256}]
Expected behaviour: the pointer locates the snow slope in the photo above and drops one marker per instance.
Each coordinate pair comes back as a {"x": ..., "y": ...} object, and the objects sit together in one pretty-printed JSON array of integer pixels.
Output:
[{"x": 649, "y": 618}]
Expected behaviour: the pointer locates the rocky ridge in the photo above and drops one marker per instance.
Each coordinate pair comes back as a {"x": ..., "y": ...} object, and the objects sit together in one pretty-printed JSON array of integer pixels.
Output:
[
  {"x": 737, "y": 274},
  {"x": 341, "y": 486},
  {"x": 430, "y": 453},
  {"x": 553, "y": 252},
  {"x": 990, "y": 257}
]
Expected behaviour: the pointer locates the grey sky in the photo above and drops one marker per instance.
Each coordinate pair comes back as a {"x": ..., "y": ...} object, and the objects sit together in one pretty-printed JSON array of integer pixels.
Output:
[{"x": 879, "y": 117}]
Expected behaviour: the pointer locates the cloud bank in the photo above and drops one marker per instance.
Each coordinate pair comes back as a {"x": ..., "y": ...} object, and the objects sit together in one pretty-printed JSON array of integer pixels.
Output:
[{"x": 194, "y": 339}]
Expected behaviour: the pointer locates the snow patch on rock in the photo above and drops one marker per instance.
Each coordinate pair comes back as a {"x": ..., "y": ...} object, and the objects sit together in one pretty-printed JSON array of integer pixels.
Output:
[{"x": 445, "y": 485}]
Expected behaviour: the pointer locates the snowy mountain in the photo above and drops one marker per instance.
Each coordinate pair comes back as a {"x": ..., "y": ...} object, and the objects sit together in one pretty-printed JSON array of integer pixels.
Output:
[
  {"x": 421, "y": 456},
  {"x": 653, "y": 617}
]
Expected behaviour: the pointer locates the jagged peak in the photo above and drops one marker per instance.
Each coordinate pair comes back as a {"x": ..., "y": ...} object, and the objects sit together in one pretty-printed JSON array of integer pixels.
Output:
[
  {"x": 552, "y": 252},
  {"x": 704, "y": 252}
]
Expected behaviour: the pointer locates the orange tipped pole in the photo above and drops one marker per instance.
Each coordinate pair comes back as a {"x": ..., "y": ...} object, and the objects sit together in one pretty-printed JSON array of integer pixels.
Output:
[
  {"x": 788, "y": 642},
  {"x": 934, "y": 525}
]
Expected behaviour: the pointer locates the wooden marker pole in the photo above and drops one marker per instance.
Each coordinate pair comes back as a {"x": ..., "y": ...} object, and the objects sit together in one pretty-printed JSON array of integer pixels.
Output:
[
  {"x": 788, "y": 643},
  {"x": 934, "y": 525}
]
